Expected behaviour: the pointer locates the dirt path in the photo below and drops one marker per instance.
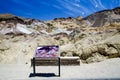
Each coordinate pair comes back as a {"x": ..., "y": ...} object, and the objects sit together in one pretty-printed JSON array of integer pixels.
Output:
[{"x": 109, "y": 69}]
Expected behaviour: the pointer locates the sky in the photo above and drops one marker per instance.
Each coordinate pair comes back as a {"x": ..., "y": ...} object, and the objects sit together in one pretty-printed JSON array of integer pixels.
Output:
[{"x": 50, "y": 9}]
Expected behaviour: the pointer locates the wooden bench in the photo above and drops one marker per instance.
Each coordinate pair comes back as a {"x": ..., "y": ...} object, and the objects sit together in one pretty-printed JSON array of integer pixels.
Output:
[{"x": 54, "y": 61}]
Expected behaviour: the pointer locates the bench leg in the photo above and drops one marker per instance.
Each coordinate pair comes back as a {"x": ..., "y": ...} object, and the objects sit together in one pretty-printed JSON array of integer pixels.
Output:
[
  {"x": 34, "y": 66},
  {"x": 59, "y": 66}
]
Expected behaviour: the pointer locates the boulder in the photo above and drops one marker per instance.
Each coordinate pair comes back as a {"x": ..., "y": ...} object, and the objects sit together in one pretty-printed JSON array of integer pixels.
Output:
[
  {"x": 101, "y": 49},
  {"x": 111, "y": 50},
  {"x": 86, "y": 53},
  {"x": 96, "y": 57}
]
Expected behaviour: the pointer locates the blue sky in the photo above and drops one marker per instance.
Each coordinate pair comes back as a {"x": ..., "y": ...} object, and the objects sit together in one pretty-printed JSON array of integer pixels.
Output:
[{"x": 50, "y": 9}]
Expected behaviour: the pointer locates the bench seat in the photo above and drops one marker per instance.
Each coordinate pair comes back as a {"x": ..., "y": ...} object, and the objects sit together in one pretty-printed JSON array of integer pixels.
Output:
[{"x": 54, "y": 61}]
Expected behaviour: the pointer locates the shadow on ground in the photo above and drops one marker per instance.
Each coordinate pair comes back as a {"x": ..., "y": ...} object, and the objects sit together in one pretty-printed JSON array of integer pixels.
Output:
[{"x": 43, "y": 75}]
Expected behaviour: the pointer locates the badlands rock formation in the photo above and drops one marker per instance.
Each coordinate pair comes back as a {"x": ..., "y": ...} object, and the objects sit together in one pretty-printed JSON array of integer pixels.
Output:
[
  {"x": 92, "y": 42},
  {"x": 102, "y": 18}
]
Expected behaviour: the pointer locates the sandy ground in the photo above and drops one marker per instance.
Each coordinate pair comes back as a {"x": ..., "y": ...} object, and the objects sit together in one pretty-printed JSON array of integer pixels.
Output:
[{"x": 109, "y": 69}]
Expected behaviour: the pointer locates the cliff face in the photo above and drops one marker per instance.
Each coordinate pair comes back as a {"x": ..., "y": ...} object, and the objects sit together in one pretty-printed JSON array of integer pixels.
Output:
[{"x": 102, "y": 18}]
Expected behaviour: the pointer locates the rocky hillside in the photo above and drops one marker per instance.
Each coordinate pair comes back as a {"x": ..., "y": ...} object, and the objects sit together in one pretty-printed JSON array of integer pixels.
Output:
[
  {"x": 91, "y": 40},
  {"x": 10, "y": 24},
  {"x": 64, "y": 23},
  {"x": 15, "y": 19},
  {"x": 101, "y": 18}
]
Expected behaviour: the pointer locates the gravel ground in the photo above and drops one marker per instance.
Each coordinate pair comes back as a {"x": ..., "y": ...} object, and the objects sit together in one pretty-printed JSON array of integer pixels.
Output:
[{"x": 109, "y": 69}]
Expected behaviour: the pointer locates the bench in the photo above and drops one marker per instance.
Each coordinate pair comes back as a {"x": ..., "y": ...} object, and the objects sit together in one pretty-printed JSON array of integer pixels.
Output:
[{"x": 54, "y": 61}]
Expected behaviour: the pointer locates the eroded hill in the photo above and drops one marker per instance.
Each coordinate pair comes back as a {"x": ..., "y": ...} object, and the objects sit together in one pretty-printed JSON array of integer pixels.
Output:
[{"x": 94, "y": 38}]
